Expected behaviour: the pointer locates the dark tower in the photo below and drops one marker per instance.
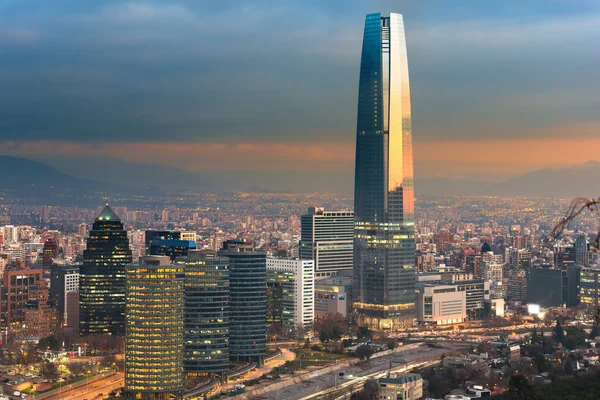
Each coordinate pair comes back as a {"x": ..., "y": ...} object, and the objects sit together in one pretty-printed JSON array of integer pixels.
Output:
[
  {"x": 102, "y": 277},
  {"x": 248, "y": 301}
]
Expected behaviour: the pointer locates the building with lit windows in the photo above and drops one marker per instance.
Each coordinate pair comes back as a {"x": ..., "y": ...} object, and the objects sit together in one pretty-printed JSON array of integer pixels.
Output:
[
  {"x": 102, "y": 277},
  {"x": 327, "y": 238},
  {"x": 154, "y": 329},
  {"x": 16, "y": 285},
  {"x": 452, "y": 299},
  {"x": 407, "y": 387},
  {"x": 589, "y": 287},
  {"x": 64, "y": 279},
  {"x": 384, "y": 237},
  {"x": 291, "y": 287},
  {"x": 206, "y": 347},
  {"x": 248, "y": 301}
]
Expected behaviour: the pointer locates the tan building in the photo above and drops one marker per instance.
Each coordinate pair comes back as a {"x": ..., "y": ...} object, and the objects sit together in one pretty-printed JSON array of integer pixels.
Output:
[{"x": 407, "y": 387}]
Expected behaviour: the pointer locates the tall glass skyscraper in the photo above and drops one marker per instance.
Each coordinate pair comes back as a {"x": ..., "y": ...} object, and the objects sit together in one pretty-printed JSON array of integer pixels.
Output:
[
  {"x": 384, "y": 244},
  {"x": 154, "y": 329},
  {"x": 247, "y": 301},
  {"x": 206, "y": 314},
  {"x": 102, "y": 277}
]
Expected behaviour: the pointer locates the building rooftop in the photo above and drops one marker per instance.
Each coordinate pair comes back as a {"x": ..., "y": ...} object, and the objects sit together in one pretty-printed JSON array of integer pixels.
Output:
[
  {"x": 107, "y": 214},
  {"x": 402, "y": 379}
]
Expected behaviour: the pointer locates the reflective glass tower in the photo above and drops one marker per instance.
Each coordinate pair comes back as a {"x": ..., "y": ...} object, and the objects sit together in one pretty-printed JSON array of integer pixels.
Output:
[{"x": 384, "y": 246}]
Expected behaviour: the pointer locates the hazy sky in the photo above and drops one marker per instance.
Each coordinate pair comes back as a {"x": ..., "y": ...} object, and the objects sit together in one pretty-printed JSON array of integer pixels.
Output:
[{"x": 498, "y": 88}]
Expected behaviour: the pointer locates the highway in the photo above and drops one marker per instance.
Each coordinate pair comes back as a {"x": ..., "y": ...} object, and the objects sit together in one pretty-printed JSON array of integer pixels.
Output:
[
  {"x": 318, "y": 387},
  {"x": 94, "y": 390}
]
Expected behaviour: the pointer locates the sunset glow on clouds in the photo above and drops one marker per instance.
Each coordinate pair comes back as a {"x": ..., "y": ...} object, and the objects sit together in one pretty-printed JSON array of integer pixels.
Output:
[{"x": 497, "y": 89}]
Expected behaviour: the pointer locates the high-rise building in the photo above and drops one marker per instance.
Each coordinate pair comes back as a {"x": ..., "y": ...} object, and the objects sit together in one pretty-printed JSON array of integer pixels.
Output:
[
  {"x": 16, "y": 285},
  {"x": 583, "y": 256},
  {"x": 102, "y": 277},
  {"x": 384, "y": 243},
  {"x": 295, "y": 280},
  {"x": 248, "y": 301},
  {"x": 151, "y": 236},
  {"x": 49, "y": 252},
  {"x": 206, "y": 349},
  {"x": 327, "y": 239},
  {"x": 171, "y": 248},
  {"x": 589, "y": 291},
  {"x": 63, "y": 281},
  {"x": 155, "y": 329}
]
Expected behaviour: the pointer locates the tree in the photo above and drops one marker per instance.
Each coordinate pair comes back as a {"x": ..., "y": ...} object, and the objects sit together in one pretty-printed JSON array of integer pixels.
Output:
[
  {"x": 364, "y": 352},
  {"x": 558, "y": 332},
  {"x": 519, "y": 388},
  {"x": 596, "y": 328},
  {"x": 49, "y": 343},
  {"x": 540, "y": 362},
  {"x": 49, "y": 371},
  {"x": 392, "y": 344},
  {"x": 439, "y": 387},
  {"x": 364, "y": 332}
]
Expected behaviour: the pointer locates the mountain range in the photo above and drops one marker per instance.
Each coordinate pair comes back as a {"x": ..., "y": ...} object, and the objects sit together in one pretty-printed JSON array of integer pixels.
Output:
[{"x": 117, "y": 176}]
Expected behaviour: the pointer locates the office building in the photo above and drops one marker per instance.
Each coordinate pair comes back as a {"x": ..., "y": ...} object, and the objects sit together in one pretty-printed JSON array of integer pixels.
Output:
[
  {"x": 16, "y": 285},
  {"x": 248, "y": 301},
  {"x": 589, "y": 287},
  {"x": 384, "y": 243},
  {"x": 155, "y": 329},
  {"x": 206, "y": 347},
  {"x": 49, "y": 252},
  {"x": 547, "y": 287},
  {"x": 102, "y": 277},
  {"x": 406, "y": 387},
  {"x": 64, "y": 281},
  {"x": 451, "y": 299},
  {"x": 292, "y": 286},
  {"x": 151, "y": 236},
  {"x": 327, "y": 238},
  {"x": 41, "y": 319},
  {"x": 517, "y": 285},
  {"x": 583, "y": 255},
  {"x": 172, "y": 248},
  {"x": 333, "y": 296}
]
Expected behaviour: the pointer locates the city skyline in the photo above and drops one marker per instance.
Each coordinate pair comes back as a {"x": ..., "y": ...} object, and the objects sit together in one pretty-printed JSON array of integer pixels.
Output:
[{"x": 143, "y": 81}]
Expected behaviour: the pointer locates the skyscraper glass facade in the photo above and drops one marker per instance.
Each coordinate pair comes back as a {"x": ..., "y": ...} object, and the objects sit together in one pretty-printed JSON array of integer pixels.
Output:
[
  {"x": 384, "y": 244},
  {"x": 206, "y": 313},
  {"x": 155, "y": 321},
  {"x": 327, "y": 238},
  {"x": 102, "y": 277},
  {"x": 248, "y": 301}
]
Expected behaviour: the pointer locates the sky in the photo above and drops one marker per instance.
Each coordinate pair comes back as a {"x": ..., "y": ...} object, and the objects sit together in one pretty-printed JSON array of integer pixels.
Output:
[{"x": 264, "y": 87}]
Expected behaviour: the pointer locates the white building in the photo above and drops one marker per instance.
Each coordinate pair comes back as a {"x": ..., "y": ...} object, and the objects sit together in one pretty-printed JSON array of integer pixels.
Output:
[
  {"x": 304, "y": 286},
  {"x": 455, "y": 298},
  {"x": 190, "y": 236}
]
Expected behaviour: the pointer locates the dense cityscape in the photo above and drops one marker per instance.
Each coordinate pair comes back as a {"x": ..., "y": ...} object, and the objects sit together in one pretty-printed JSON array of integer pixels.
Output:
[{"x": 137, "y": 291}]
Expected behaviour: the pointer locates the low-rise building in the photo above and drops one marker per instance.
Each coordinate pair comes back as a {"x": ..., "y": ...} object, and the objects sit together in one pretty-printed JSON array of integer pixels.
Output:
[
  {"x": 333, "y": 296},
  {"x": 455, "y": 298},
  {"x": 407, "y": 387}
]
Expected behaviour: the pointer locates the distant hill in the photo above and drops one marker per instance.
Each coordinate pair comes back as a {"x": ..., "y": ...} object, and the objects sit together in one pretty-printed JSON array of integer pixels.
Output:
[
  {"x": 573, "y": 181},
  {"x": 116, "y": 176},
  {"x": 116, "y": 171},
  {"x": 18, "y": 172}
]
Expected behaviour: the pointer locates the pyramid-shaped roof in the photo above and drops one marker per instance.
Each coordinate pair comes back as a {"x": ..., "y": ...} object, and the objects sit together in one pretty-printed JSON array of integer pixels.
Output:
[{"x": 107, "y": 215}]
